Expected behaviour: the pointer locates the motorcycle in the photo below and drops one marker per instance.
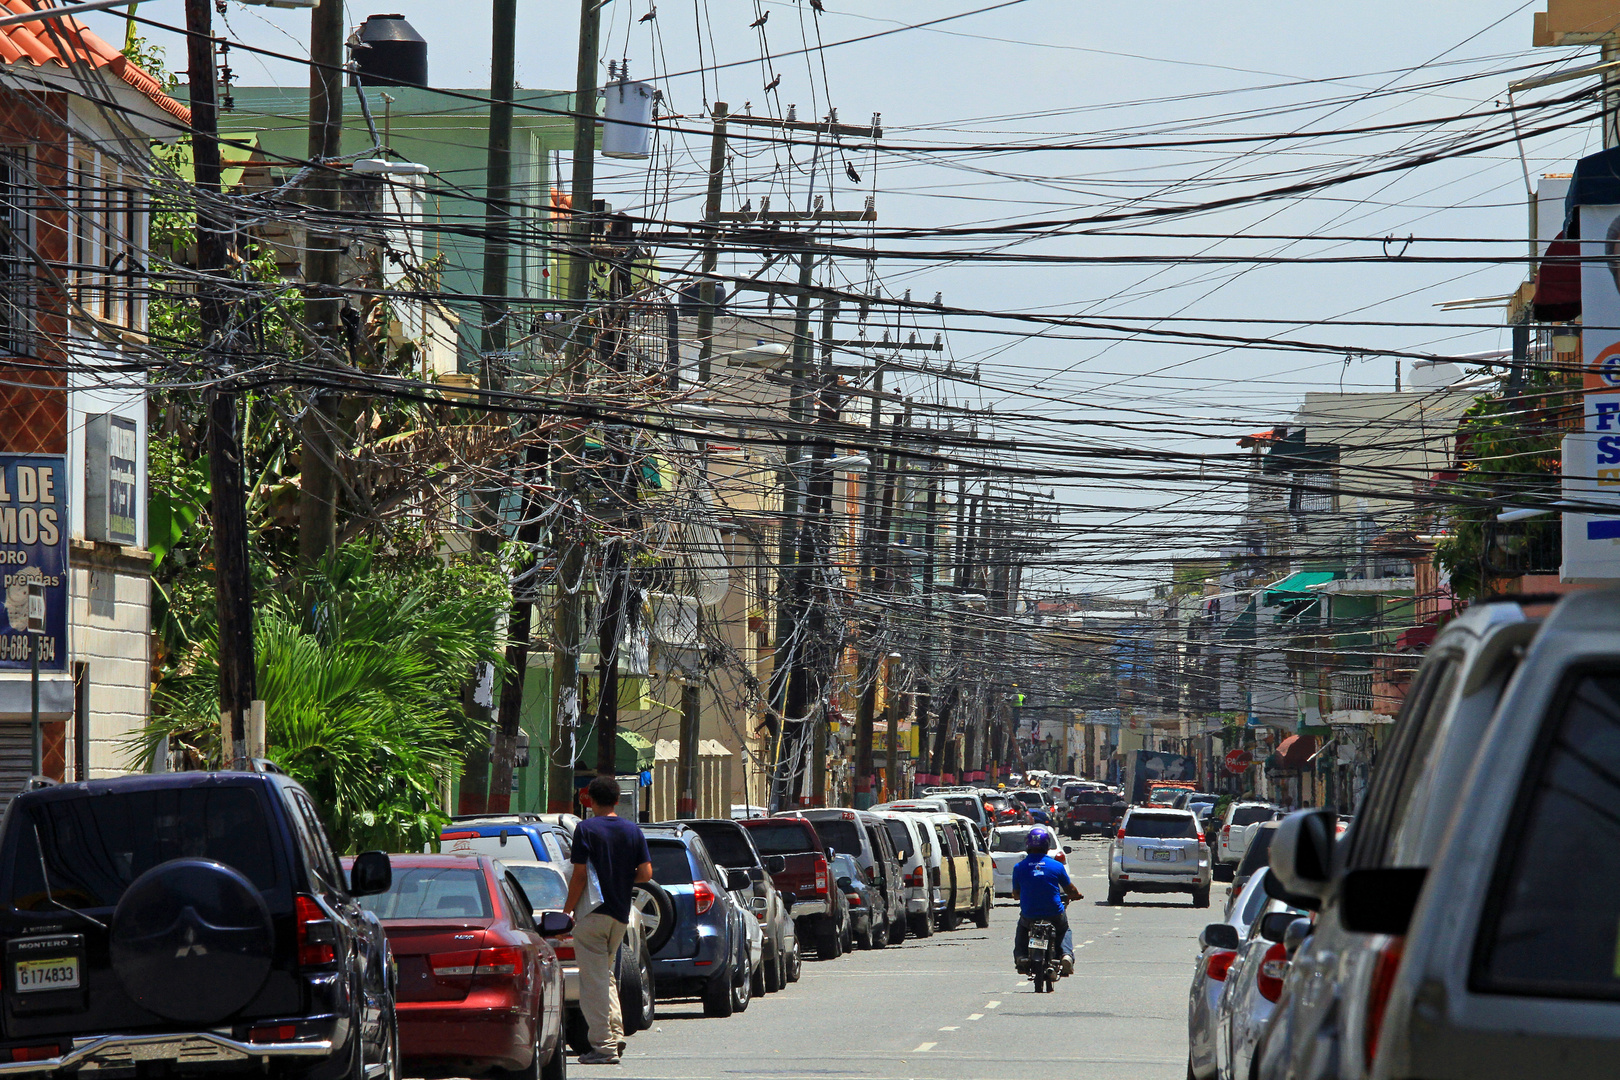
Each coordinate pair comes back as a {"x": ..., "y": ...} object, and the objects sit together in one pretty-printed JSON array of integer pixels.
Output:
[{"x": 1045, "y": 956}]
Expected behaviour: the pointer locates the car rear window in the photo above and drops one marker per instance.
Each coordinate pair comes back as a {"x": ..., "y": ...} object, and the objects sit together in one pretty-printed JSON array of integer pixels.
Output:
[
  {"x": 842, "y": 836},
  {"x": 432, "y": 892},
  {"x": 966, "y": 805},
  {"x": 1097, "y": 798},
  {"x": 782, "y": 837},
  {"x": 95, "y": 846},
  {"x": 1161, "y": 826},
  {"x": 1555, "y": 905},
  {"x": 670, "y": 862},
  {"x": 1008, "y": 840},
  {"x": 1248, "y": 815},
  {"x": 546, "y": 888},
  {"x": 995, "y": 802},
  {"x": 904, "y": 846},
  {"x": 727, "y": 846},
  {"x": 1029, "y": 798}
]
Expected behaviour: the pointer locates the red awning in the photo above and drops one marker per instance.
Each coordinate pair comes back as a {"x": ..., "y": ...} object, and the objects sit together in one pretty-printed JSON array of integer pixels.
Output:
[
  {"x": 1558, "y": 284},
  {"x": 1416, "y": 639},
  {"x": 1295, "y": 752}
]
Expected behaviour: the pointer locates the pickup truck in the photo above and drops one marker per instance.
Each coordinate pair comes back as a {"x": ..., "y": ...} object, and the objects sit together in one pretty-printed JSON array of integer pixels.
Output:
[
  {"x": 1093, "y": 811},
  {"x": 804, "y": 880}
]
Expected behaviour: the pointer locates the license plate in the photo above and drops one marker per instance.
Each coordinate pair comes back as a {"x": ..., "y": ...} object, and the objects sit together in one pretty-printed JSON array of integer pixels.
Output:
[
  {"x": 1164, "y": 856},
  {"x": 61, "y": 973}
]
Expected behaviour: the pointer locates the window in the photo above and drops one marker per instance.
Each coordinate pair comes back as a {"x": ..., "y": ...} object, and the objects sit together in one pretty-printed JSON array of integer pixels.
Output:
[
  {"x": 321, "y": 859},
  {"x": 545, "y": 887},
  {"x": 1402, "y": 762},
  {"x": 94, "y": 847},
  {"x": 782, "y": 838},
  {"x": 1248, "y": 815},
  {"x": 432, "y": 892},
  {"x": 841, "y": 836},
  {"x": 17, "y": 275},
  {"x": 517, "y": 905},
  {"x": 728, "y": 846},
  {"x": 900, "y": 838},
  {"x": 670, "y": 863},
  {"x": 1162, "y": 826},
  {"x": 1552, "y": 925}
]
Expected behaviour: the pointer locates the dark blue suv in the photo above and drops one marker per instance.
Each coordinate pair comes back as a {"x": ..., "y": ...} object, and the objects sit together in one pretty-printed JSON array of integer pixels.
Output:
[{"x": 709, "y": 955}]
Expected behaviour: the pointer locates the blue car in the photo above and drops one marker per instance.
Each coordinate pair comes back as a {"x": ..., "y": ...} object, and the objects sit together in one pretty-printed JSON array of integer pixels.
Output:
[
  {"x": 711, "y": 953},
  {"x": 505, "y": 836}
]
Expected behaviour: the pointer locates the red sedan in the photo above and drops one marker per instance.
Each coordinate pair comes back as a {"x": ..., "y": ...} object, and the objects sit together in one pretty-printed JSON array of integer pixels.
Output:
[{"x": 480, "y": 987}]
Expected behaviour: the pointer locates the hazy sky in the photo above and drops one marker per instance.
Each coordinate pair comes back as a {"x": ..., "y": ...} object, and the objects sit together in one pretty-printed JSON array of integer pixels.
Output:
[{"x": 1070, "y": 71}]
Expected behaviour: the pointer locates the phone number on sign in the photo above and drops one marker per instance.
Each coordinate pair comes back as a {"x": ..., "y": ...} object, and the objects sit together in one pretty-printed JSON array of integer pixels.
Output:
[{"x": 15, "y": 647}]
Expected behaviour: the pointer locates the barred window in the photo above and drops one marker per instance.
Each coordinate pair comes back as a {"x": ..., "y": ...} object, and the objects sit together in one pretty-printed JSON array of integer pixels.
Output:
[{"x": 17, "y": 277}]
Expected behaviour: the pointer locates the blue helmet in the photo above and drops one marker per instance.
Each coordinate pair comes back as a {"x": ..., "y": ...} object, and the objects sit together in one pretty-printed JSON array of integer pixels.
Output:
[{"x": 1038, "y": 842}]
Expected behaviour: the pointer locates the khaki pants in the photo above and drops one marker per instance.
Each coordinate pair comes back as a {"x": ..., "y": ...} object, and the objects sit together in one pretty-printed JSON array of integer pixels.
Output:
[{"x": 597, "y": 938}]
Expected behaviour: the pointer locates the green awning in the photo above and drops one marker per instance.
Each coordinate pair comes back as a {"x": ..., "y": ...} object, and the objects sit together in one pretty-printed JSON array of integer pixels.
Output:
[
  {"x": 1296, "y": 587},
  {"x": 635, "y": 754},
  {"x": 1242, "y": 627}
]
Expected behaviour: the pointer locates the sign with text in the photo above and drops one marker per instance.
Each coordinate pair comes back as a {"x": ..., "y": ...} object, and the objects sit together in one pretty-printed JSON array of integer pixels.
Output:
[
  {"x": 33, "y": 550},
  {"x": 1591, "y": 464},
  {"x": 112, "y": 487}
]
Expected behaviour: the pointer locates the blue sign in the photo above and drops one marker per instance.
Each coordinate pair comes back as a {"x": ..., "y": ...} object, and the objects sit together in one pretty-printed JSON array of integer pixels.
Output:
[{"x": 33, "y": 547}]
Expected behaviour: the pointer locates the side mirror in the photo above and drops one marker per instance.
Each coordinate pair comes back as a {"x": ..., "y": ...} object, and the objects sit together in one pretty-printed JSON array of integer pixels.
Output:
[
  {"x": 738, "y": 880},
  {"x": 755, "y": 874},
  {"x": 1219, "y": 935},
  {"x": 1298, "y": 931},
  {"x": 1274, "y": 926},
  {"x": 1302, "y": 856},
  {"x": 554, "y": 923},
  {"x": 371, "y": 874},
  {"x": 1380, "y": 901},
  {"x": 845, "y": 883},
  {"x": 775, "y": 864}
]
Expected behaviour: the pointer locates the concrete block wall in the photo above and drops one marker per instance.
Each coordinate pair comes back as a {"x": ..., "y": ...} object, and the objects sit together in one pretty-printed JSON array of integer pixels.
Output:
[{"x": 110, "y": 611}]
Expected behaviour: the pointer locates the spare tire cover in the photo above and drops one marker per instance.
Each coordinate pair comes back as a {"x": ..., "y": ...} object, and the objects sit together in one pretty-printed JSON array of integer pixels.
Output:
[{"x": 191, "y": 940}]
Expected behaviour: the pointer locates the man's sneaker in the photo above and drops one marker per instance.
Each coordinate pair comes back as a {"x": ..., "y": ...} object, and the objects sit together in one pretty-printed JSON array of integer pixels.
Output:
[
  {"x": 1022, "y": 965},
  {"x": 1068, "y": 965},
  {"x": 599, "y": 1057}
]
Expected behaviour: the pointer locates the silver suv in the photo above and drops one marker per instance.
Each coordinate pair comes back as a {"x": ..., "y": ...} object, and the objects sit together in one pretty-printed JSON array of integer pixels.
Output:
[
  {"x": 1159, "y": 850},
  {"x": 1467, "y": 919}
]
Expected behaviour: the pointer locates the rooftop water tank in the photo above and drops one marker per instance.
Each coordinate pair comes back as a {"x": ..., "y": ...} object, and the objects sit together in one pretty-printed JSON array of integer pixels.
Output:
[{"x": 394, "y": 54}]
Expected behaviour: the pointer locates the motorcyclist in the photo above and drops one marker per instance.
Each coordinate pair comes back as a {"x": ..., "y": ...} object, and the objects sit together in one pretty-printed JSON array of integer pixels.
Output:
[{"x": 1041, "y": 886}]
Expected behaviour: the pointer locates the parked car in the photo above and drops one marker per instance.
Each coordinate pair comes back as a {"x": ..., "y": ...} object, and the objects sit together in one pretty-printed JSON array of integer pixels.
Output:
[
  {"x": 480, "y": 986},
  {"x": 804, "y": 881},
  {"x": 1230, "y": 840},
  {"x": 1467, "y": 919},
  {"x": 1256, "y": 854},
  {"x": 739, "y": 811},
  {"x": 865, "y": 901},
  {"x": 861, "y": 836},
  {"x": 1092, "y": 810},
  {"x": 966, "y": 801},
  {"x": 967, "y": 875},
  {"x": 506, "y": 836},
  {"x": 1007, "y": 847},
  {"x": 1218, "y": 951},
  {"x": 913, "y": 846},
  {"x": 546, "y": 887},
  {"x": 710, "y": 955},
  {"x": 191, "y": 917},
  {"x": 1253, "y": 987},
  {"x": 732, "y": 847},
  {"x": 1159, "y": 850}
]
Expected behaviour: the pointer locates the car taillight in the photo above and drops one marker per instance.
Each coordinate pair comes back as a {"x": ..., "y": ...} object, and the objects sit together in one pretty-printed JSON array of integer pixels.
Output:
[
  {"x": 503, "y": 960},
  {"x": 821, "y": 875},
  {"x": 273, "y": 1033},
  {"x": 1218, "y": 963},
  {"x": 1378, "y": 991},
  {"x": 454, "y": 963},
  {"x": 564, "y": 947},
  {"x": 34, "y": 1053},
  {"x": 1121, "y": 834},
  {"x": 1226, "y": 832},
  {"x": 1272, "y": 969},
  {"x": 317, "y": 938},
  {"x": 855, "y": 900},
  {"x": 914, "y": 877},
  {"x": 703, "y": 896}
]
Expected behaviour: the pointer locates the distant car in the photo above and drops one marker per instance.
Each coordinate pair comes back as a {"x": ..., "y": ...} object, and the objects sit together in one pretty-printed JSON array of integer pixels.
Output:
[
  {"x": 860, "y": 835},
  {"x": 804, "y": 880},
  {"x": 912, "y": 841},
  {"x": 740, "y": 811},
  {"x": 967, "y": 874},
  {"x": 865, "y": 901},
  {"x": 1218, "y": 951},
  {"x": 480, "y": 986},
  {"x": 546, "y": 887},
  {"x": 1007, "y": 847},
  {"x": 1091, "y": 810},
  {"x": 1159, "y": 850},
  {"x": 1230, "y": 840},
  {"x": 1037, "y": 802},
  {"x": 506, "y": 836},
  {"x": 710, "y": 954},
  {"x": 732, "y": 847}
]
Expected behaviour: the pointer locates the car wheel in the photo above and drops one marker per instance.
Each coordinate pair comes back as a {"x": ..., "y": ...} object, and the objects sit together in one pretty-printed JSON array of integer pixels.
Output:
[
  {"x": 881, "y": 938},
  {"x": 557, "y": 1067},
  {"x": 846, "y": 940},
  {"x": 949, "y": 918},
  {"x": 829, "y": 942},
  {"x": 981, "y": 917},
  {"x": 757, "y": 986},
  {"x": 1201, "y": 897},
  {"x": 795, "y": 963},
  {"x": 922, "y": 926},
  {"x": 390, "y": 1048},
  {"x": 773, "y": 969},
  {"x": 576, "y": 1032},
  {"x": 657, "y": 913},
  {"x": 1190, "y": 1074},
  {"x": 718, "y": 995},
  {"x": 636, "y": 996},
  {"x": 1116, "y": 894},
  {"x": 742, "y": 990},
  {"x": 898, "y": 927},
  {"x": 534, "y": 1070}
]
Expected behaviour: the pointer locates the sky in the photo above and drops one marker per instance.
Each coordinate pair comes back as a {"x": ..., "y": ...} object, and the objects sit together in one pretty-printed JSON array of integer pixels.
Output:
[{"x": 1089, "y": 75}]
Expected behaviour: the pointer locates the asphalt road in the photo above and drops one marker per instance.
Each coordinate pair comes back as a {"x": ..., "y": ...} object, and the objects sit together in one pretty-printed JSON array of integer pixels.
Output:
[{"x": 950, "y": 1007}]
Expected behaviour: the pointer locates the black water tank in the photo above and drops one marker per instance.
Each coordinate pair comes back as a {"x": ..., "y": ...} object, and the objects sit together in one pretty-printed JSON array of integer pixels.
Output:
[{"x": 396, "y": 54}]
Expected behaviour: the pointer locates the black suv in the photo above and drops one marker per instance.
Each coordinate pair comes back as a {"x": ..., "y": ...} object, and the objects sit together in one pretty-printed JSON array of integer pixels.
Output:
[{"x": 189, "y": 922}]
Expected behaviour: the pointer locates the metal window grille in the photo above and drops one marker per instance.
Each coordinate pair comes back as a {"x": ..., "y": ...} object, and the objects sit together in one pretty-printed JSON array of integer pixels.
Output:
[{"x": 17, "y": 278}]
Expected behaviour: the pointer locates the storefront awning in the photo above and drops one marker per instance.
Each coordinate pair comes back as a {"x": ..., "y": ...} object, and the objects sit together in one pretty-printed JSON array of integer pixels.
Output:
[
  {"x": 1296, "y": 587},
  {"x": 1242, "y": 627},
  {"x": 634, "y": 754},
  {"x": 1295, "y": 752}
]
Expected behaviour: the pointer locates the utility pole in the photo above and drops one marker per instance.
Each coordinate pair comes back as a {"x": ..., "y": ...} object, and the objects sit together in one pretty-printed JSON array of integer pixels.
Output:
[
  {"x": 711, "y": 249},
  {"x": 925, "y": 647},
  {"x": 891, "y": 705},
  {"x": 826, "y": 415},
  {"x": 953, "y": 691},
  {"x": 317, "y": 461},
  {"x": 874, "y": 575},
  {"x": 232, "y": 585},
  {"x": 565, "y": 713}
]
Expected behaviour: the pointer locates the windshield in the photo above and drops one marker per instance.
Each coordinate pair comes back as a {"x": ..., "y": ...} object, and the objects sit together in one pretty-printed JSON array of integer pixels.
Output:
[
  {"x": 842, "y": 836},
  {"x": 727, "y": 846},
  {"x": 1161, "y": 826},
  {"x": 966, "y": 805},
  {"x": 1030, "y": 798},
  {"x": 94, "y": 847},
  {"x": 670, "y": 863},
  {"x": 782, "y": 838},
  {"x": 546, "y": 888},
  {"x": 432, "y": 892},
  {"x": 1248, "y": 815}
]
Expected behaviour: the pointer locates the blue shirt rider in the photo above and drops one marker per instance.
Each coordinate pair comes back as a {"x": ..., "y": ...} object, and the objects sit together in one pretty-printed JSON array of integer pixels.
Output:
[{"x": 1041, "y": 885}]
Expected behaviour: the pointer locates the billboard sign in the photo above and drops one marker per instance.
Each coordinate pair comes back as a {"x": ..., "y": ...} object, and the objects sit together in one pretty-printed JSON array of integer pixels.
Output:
[
  {"x": 33, "y": 550},
  {"x": 1591, "y": 475}
]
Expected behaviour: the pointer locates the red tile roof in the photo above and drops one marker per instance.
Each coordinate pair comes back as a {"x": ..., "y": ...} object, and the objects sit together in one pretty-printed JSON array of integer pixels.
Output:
[{"x": 42, "y": 44}]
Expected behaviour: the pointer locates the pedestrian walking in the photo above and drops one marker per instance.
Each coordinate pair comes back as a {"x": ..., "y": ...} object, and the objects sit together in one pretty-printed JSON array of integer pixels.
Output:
[{"x": 610, "y": 857}]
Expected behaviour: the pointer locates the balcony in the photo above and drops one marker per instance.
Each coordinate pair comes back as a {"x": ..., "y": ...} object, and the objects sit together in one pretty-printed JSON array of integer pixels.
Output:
[{"x": 1351, "y": 690}]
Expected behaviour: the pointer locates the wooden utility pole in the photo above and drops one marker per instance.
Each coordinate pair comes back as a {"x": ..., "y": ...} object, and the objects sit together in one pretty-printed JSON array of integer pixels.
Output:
[
  {"x": 317, "y": 459},
  {"x": 874, "y": 574},
  {"x": 923, "y": 699},
  {"x": 232, "y": 585},
  {"x": 565, "y": 713},
  {"x": 711, "y": 248}
]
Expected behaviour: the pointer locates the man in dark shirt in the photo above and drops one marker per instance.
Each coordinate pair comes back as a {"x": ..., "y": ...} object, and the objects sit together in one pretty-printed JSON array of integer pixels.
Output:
[{"x": 610, "y": 856}]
